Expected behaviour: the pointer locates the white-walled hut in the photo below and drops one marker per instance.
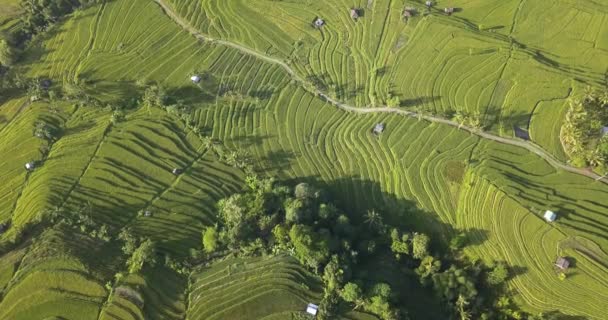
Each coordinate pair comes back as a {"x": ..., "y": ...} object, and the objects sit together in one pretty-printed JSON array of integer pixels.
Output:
[
  {"x": 562, "y": 263},
  {"x": 195, "y": 78},
  {"x": 177, "y": 171},
  {"x": 312, "y": 309},
  {"x": 30, "y": 166},
  {"x": 354, "y": 13},
  {"x": 604, "y": 131},
  {"x": 378, "y": 128},
  {"x": 448, "y": 10},
  {"x": 319, "y": 22},
  {"x": 429, "y": 3},
  {"x": 550, "y": 216}
]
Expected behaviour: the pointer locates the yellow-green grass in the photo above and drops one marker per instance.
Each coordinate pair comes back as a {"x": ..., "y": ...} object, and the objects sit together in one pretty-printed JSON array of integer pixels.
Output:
[
  {"x": 55, "y": 278},
  {"x": 502, "y": 230},
  {"x": 484, "y": 58},
  {"x": 251, "y": 288},
  {"x": 287, "y": 132},
  {"x": 19, "y": 146},
  {"x": 158, "y": 293},
  {"x": 8, "y": 10}
]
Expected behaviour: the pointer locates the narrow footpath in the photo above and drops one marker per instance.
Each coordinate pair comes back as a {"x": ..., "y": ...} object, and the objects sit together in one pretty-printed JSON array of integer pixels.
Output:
[{"x": 530, "y": 146}]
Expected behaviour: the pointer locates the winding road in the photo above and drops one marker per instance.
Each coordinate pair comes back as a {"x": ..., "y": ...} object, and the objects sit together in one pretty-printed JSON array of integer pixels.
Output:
[{"x": 534, "y": 148}]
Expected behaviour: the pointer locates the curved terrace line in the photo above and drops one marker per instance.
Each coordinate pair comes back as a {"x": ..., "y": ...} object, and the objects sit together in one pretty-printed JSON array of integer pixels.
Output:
[{"x": 532, "y": 147}]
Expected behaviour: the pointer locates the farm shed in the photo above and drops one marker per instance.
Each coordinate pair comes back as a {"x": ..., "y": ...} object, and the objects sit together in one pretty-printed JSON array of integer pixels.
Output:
[
  {"x": 407, "y": 13},
  {"x": 312, "y": 309},
  {"x": 604, "y": 131},
  {"x": 550, "y": 216},
  {"x": 177, "y": 171},
  {"x": 30, "y": 165},
  {"x": 354, "y": 13},
  {"x": 378, "y": 128},
  {"x": 147, "y": 213},
  {"x": 448, "y": 10},
  {"x": 562, "y": 263},
  {"x": 195, "y": 78},
  {"x": 319, "y": 22},
  {"x": 429, "y": 3}
]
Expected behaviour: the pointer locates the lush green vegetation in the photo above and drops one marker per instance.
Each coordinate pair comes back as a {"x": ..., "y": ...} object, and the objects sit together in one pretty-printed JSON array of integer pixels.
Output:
[
  {"x": 111, "y": 232},
  {"x": 583, "y": 133}
]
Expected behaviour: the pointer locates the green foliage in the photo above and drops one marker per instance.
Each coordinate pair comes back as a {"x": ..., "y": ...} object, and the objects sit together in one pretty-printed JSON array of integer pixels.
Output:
[
  {"x": 8, "y": 55},
  {"x": 498, "y": 275},
  {"x": 400, "y": 244},
  {"x": 582, "y": 131},
  {"x": 351, "y": 293},
  {"x": 311, "y": 248},
  {"x": 210, "y": 240},
  {"x": 420, "y": 245},
  {"x": 145, "y": 254}
]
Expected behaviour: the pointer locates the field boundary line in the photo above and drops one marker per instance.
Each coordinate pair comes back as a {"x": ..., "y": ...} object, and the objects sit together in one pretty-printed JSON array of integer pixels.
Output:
[{"x": 530, "y": 146}]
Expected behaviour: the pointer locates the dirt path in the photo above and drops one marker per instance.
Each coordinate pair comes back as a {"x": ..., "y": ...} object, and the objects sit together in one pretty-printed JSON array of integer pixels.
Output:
[{"x": 530, "y": 146}]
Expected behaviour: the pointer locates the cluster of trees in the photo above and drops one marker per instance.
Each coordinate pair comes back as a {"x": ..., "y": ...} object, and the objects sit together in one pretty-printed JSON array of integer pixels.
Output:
[
  {"x": 38, "y": 15},
  {"x": 140, "y": 251},
  {"x": 269, "y": 218},
  {"x": 582, "y": 134},
  {"x": 272, "y": 218},
  {"x": 80, "y": 219}
]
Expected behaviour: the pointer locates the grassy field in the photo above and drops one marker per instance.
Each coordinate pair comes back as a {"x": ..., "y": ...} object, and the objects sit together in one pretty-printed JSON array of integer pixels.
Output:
[{"x": 429, "y": 176}]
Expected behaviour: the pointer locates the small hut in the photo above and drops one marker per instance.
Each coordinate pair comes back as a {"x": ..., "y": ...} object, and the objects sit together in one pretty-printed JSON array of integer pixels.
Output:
[
  {"x": 429, "y": 4},
  {"x": 45, "y": 84},
  {"x": 550, "y": 216},
  {"x": 448, "y": 10},
  {"x": 408, "y": 12},
  {"x": 378, "y": 128},
  {"x": 30, "y": 166},
  {"x": 604, "y": 131},
  {"x": 312, "y": 309},
  {"x": 354, "y": 13},
  {"x": 147, "y": 213},
  {"x": 319, "y": 23},
  {"x": 562, "y": 263},
  {"x": 177, "y": 171},
  {"x": 195, "y": 78}
]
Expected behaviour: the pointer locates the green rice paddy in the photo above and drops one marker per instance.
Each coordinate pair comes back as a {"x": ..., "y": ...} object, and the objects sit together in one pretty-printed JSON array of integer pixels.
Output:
[{"x": 515, "y": 62}]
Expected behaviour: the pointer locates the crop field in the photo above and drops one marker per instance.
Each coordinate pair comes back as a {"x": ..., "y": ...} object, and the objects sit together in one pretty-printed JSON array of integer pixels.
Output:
[
  {"x": 428, "y": 175},
  {"x": 252, "y": 289}
]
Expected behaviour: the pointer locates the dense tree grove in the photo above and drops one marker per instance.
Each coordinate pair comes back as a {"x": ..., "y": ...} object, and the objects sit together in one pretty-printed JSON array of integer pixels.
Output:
[
  {"x": 582, "y": 133},
  {"x": 269, "y": 218}
]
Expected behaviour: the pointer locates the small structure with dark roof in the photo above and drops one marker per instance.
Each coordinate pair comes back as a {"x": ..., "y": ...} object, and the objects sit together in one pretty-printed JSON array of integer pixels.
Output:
[
  {"x": 319, "y": 22},
  {"x": 354, "y": 13},
  {"x": 429, "y": 4},
  {"x": 448, "y": 10},
  {"x": 408, "y": 12},
  {"x": 312, "y": 309},
  {"x": 378, "y": 128},
  {"x": 147, "y": 213},
  {"x": 195, "y": 78},
  {"x": 177, "y": 171},
  {"x": 562, "y": 263},
  {"x": 45, "y": 84},
  {"x": 604, "y": 131}
]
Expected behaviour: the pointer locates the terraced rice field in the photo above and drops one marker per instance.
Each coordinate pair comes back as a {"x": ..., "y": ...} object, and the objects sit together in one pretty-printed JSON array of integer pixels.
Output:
[
  {"x": 431, "y": 176},
  {"x": 252, "y": 289}
]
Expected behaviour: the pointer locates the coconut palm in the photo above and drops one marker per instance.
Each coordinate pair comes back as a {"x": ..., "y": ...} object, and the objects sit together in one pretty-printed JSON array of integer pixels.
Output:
[{"x": 373, "y": 219}]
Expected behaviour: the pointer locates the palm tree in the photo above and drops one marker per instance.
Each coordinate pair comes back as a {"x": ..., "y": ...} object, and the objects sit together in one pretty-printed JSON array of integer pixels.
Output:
[
  {"x": 373, "y": 218},
  {"x": 461, "y": 303}
]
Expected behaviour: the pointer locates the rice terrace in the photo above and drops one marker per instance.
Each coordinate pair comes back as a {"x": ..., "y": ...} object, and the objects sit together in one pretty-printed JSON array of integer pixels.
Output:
[{"x": 300, "y": 159}]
